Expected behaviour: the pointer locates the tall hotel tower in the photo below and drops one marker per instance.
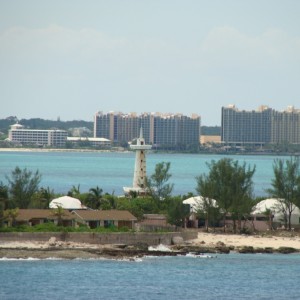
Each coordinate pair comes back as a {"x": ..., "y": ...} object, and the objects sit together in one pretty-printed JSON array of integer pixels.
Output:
[
  {"x": 170, "y": 131},
  {"x": 261, "y": 126}
]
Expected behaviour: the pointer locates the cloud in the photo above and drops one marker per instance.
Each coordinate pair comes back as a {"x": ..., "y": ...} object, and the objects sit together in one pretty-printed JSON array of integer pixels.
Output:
[
  {"x": 75, "y": 64},
  {"x": 57, "y": 40},
  {"x": 63, "y": 53},
  {"x": 229, "y": 47},
  {"x": 222, "y": 47}
]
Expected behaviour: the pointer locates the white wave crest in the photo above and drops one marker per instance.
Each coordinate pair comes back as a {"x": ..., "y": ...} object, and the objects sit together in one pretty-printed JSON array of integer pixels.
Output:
[
  {"x": 160, "y": 247},
  {"x": 18, "y": 259},
  {"x": 199, "y": 255}
]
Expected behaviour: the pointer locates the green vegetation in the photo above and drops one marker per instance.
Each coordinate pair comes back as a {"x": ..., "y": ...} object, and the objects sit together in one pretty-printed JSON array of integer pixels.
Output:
[
  {"x": 51, "y": 227},
  {"x": 286, "y": 186},
  {"x": 210, "y": 130},
  {"x": 157, "y": 184},
  {"x": 42, "y": 198},
  {"x": 3, "y": 201},
  {"x": 10, "y": 215},
  {"x": 37, "y": 123},
  {"x": 138, "y": 206},
  {"x": 94, "y": 199},
  {"x": 59, "y": 212},
  {"x": 230, "y": 184},
  {"x": 226, "y": 189},
  {"x": 22, "y": 185},
  {"x": 177, "y": 211}
]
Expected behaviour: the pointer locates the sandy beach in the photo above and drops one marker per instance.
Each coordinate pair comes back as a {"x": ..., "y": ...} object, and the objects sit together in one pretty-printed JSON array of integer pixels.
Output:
[{"x": 286, "y": 239}]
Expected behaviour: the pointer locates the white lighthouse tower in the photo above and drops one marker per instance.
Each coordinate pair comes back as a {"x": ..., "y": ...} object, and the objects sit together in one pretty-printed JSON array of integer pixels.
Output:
[{"x": 139, "y": 176}]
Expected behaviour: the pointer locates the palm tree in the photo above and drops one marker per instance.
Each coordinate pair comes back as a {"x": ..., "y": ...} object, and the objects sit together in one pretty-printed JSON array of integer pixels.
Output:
[
  {"x": 46, "y": 195},
  {"x": 94, "y": 199},
  {"x": 74, "y": 191},
  {"x": 59, "y": 212},
  {"x": 11, "y": 216}
]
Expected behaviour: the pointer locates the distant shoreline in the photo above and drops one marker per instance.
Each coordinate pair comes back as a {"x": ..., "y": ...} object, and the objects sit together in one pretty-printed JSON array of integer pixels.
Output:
[
  {"x": 56, "y": 150},
  {"x": 64, "y": 150}
]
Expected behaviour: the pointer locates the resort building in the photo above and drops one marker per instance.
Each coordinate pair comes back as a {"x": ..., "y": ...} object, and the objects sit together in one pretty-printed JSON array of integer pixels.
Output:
[
  {"x": 260, "y": 127},
  {"x": 75, "y": 218},
  {"x": 174, "y": 131},
  {"x": 278, "y": 213},
  {"x": 286, "y": 126},
  {"x": 18, "y": 134},
  {"x": 267, "y": 214},
  {"x": 89, "y": 142},
  {"x": 105, "y": 218},
  {"x": 246, "y": 127},
  {"x": 32, "y": 217}
]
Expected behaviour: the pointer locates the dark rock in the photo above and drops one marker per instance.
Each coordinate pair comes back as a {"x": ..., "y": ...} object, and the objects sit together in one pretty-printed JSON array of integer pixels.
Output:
[
  {"x": 246, "y": 249},
  {"x": 220, "y": 244},
  {"x": 120, "y": 246},
  {"x": 139, "y": 247},
  {"x": 286, "y": 250},
  {"x": 223, "y": 249},
  {"x": 269, "y": 250}
]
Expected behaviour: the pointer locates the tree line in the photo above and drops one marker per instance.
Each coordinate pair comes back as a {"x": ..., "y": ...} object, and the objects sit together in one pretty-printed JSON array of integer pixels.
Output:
[
  {"x": 227, "y": 190},
  {"x": 38, "y": 123}
]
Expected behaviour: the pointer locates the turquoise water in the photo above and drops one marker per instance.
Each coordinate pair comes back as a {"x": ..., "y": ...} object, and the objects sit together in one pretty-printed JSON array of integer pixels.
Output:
[
  {"x": 112, "y": 171},
  {"x": 233, "y": 276}
]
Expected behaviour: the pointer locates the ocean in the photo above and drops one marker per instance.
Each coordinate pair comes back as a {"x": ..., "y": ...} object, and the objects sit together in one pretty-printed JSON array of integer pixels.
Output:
[
  {"x": 232, "y": 276},
  {"x": 112, "y": 171},
  {"x": 227, "y": 276}
]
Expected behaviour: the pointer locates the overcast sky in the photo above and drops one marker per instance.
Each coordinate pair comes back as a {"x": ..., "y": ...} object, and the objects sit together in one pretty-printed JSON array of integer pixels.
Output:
[{"x": 69, "y": 59}]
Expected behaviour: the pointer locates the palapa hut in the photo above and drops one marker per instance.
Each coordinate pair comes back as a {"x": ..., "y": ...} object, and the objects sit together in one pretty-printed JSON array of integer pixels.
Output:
[{"x": 67, "y": 202}]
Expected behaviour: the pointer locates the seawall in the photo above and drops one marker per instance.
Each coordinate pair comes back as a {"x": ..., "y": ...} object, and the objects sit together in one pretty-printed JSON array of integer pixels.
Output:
[{"x": 148, "y": 238}]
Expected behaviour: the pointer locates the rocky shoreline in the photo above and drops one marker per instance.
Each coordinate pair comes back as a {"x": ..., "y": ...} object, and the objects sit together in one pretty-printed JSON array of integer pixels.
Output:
[
  {"x": 121, "y": 252},
  {"x": 83, "y": 253},
  {"x": 205, "y": 243},
  {"x": 223, "y": 249}
]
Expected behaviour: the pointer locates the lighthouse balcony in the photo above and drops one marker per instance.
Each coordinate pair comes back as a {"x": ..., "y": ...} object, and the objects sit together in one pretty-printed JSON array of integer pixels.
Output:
[{"x": 140, "y": 147}]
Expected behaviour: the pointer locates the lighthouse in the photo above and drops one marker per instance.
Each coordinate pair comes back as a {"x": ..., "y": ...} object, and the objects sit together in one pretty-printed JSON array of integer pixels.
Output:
[{"x": 139, "y": 175}]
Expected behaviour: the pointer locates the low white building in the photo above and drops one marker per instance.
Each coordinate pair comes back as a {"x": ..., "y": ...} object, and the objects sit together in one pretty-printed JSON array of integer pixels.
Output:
[
  {"x": 67, "y": 202},
  {"x": 94, "y": 142},
  {"x": 198, "y": 203},
  {"x": 53, "y": 137},
  {"x": 275, "y": 206}
]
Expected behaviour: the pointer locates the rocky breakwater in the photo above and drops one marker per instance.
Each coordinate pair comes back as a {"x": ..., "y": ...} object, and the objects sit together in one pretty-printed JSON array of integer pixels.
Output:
[
  {"x": 212, "y": 244},
  {"x": 219, "y": 248},
  {"x": 282, "y": 250},
  {"x": 69, "y": 250}
]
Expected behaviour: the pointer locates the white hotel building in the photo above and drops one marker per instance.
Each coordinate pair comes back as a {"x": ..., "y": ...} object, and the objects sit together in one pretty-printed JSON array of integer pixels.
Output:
[{"x": 18, "y": 134}]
